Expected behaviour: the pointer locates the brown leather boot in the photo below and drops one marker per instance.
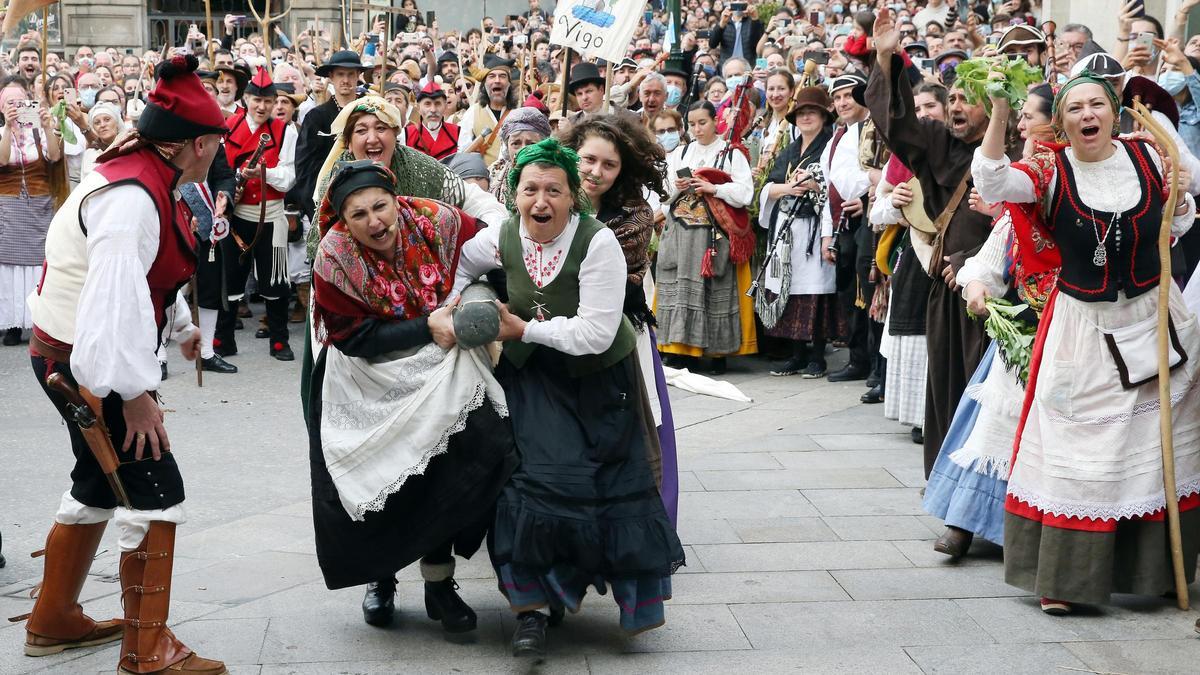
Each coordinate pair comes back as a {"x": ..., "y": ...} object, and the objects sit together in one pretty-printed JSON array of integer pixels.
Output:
[
  {"x": 57, "y": 622},
  {"x": 300, "y": 309},
  {"x": 954, "y": 542},
  {"x": 148, "y": 645}
]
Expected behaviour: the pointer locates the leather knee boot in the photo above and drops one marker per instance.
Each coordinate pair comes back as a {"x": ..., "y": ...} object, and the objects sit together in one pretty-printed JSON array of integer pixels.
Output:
[
  {"x": 57, "y": 622},
  {"x": 148, "y": 645}
]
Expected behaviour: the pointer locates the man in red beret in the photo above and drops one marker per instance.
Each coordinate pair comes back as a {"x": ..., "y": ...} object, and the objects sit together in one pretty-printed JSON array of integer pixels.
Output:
[
  {"x": 435, "y": 136},
  {"x": 117, "y": 253}
]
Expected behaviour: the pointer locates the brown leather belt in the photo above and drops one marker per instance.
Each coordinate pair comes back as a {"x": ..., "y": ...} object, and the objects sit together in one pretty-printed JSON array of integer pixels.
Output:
[{"x": 48, "y": 351}]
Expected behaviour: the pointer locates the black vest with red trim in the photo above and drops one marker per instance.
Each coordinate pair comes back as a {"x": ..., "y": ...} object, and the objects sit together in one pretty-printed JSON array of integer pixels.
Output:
[
  {"x": 1131, "y": 250},
  {"x": 446, "y": 143},
  {"x": 175, "y": 261},
  {"x": 240, "y": 145}
]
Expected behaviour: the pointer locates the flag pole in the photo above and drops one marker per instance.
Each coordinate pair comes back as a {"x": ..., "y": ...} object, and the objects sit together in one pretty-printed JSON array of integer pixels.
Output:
[{"x": 208, "y": 21}]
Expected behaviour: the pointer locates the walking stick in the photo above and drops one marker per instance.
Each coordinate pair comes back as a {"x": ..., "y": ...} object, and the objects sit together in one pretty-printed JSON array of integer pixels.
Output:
[
  {"x": 1143, "y": 117},
  {"x": 196, "y": 304}
]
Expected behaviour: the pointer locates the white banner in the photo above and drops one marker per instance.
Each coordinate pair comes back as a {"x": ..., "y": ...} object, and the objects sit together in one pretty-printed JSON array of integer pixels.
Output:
[{"x": 597, "y": 28}]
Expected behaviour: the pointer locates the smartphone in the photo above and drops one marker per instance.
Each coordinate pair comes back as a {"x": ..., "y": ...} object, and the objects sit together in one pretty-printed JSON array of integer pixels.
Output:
[
  {"x": 683, "y": 173},
  {"x": 410, "y": 38},
  {"x": 520, "y": 39},
  {"x": 128, "y": 51},
  {"x": 964, "y": 11},
  {"x": 648, "y": 17},
  {"x": 27, "y": 114},
  {"x": 493, "y": 38},
  {"x": 819, "y": 58},
  {"x": 701, "y": 35},
  {"x": 1140, "y": 10},
  {"x": 71, "y": 95},
  {"x": 1145, "y": 40},
  {"x": 760, "y": 63},
  {"x": 430, "y": 18},
  {"x": 814, "y": 18},
  {"x": 373, "y": 39},
  {"x": 738, "y": 6},
  {"x": 239, "y": 20}
]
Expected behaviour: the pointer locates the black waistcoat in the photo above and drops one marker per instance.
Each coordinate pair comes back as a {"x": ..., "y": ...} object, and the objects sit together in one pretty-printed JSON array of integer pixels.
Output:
[{"x": 1131, "y": 251}]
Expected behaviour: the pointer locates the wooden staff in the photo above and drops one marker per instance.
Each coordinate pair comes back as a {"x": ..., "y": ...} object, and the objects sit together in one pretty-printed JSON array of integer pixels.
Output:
[
  {"x": 566, "y": 75},
  {"x": 608, "y": 74},
  {"x": 208, "y": 25},
  {"x": 45, "y": 41},
  {"x": 196, "y": 304},
  {"x": 1142, "y": 115}
]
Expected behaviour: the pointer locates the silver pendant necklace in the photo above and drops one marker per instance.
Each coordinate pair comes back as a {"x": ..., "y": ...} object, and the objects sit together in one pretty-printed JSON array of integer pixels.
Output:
[{"x": 1100, "y": 255}]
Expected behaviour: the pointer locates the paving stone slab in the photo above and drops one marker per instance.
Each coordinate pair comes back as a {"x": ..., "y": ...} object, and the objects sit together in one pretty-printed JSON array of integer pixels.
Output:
[
  {"x": 245, "y": 536},
  {"x": 1027, "y": 659},
  {"x": 866, "y": 502},
  {"x": 817, "y": 555},
  {"x": 595, "y": 630},
  {"x": 908, "y": 476},
  {"x": 732, "y": 461},
  {"x": 878, "y": 528},
  {"x": 1150, "y": 656},
  {"x": 916, "y": 584},
  {"x": 693, "y": 530},
  {"x": 447, "y": 662},
  {"x": 863, "y": 661},
  {"x": 319, "y": 639},
  {"x": 844, "y": 459},
  {"x": 864, "y": 441},
  {"x": 235, "y": 581},
  {"x": 982, "y": 553},
  {"x": 838, "y": 625},
  {"x": 1011, "y": 620},
  {"x": 754, "y": 587},
  {"x": 689, "y": 483},
  {"x": 756, "y": 504},
  {"x": 796, "y": 479},
  {"x": 773, "y": 530}
]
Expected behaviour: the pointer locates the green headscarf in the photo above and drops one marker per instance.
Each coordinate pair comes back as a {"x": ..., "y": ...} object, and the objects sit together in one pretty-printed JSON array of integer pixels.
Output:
[
  {"x": 549, "y": 152},
  {"x": 1086, "y": 77}
]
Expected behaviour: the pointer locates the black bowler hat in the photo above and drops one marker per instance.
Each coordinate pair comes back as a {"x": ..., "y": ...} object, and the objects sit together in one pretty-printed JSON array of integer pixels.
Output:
[
  {"x": 584, "y": 73},
  {"x": 343, "y": 58}
]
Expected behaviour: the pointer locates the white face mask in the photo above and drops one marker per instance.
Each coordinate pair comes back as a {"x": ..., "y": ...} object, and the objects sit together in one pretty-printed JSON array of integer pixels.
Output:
[{"x": 669, "y": 140}]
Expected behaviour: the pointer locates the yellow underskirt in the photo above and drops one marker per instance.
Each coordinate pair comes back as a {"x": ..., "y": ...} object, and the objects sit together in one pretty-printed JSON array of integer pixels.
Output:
[{"x": 745, "y": 318}]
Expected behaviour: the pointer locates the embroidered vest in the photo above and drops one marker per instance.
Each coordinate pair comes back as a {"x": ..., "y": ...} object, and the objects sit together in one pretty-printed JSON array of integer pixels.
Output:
[
  {"x": 558, "y": 298},
  {"x": 446, "y": 143},
  {"x": 57, "y": 299},
  {"x": 1130, "y": 259},
  {"x": 240, "y": 145}
]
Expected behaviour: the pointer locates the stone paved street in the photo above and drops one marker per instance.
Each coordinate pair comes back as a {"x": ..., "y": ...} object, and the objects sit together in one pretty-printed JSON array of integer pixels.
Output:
[{"x": 807, "y": 551}]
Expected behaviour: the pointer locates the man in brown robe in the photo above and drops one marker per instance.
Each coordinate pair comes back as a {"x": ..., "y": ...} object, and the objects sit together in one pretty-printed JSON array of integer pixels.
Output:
[{"x": 940, "y": 156}]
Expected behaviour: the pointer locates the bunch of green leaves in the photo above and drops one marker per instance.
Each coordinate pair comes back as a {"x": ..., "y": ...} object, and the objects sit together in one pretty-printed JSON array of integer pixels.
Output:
[
  {"x": 767, "y": 11},
  {"x": 59, "y": 112},
  {"x": 1014, "y": 337},
  {"x": 984, "y": 77}
]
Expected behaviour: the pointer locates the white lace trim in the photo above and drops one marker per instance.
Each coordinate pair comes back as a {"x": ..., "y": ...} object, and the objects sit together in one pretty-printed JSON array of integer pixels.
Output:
[
  {"x": 974, "y": 459},
  {"x": 1145, "y": 408},
  {"x": 990, "y": 456},
  {"x": 473, "y": 404},
  {"x": 1108, "y": 511}
]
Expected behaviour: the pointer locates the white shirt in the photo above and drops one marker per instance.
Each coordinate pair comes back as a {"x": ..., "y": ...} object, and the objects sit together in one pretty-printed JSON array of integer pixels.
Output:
[
  {"x": 482, "y": 205},
  {"x": 739, "y": 191},
  {"x": 466, "y": 125},
  {"x": 843, "y": 171},
  {"x": 1108, "y": 185},
  {"x": 602, "y": 277},
  {"x": 282, "y": 176},
  {"x": 115, "y": 332}
]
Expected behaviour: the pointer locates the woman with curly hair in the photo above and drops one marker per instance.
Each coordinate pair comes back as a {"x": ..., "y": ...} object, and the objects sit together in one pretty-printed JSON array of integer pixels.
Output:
[
  {"x": 620, "y": 163},
  {"x": 582, "y": 509}
]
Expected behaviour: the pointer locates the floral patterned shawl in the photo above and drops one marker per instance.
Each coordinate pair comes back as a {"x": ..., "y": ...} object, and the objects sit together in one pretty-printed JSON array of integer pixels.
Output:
[{"x": 353, "y": 283}]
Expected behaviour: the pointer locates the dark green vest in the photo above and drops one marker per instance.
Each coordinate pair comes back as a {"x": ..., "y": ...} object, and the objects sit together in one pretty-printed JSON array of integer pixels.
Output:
[{"x": 558, "y": 298}]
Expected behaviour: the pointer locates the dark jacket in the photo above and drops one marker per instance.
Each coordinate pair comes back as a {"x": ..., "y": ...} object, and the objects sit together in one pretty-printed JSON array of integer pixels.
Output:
[
  {"x": 724, "y": 39},
  {"x": 311, "y": 150}
]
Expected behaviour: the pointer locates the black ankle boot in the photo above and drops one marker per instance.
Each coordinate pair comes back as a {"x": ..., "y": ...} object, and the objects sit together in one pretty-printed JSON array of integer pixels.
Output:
[
  {"x": 530, "y": 636},
  {"x": 442, "y": 603},
  {"x": 379, "y": 603}
]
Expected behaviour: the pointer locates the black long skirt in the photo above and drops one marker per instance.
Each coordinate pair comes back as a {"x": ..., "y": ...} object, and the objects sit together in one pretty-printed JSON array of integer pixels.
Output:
[{"x": 452, "y": 501}]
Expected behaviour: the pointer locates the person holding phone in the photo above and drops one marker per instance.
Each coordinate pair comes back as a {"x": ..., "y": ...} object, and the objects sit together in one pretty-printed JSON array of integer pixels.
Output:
[
  {"x": 28, "y": 146},
  {"x": 737, "y": 33}
]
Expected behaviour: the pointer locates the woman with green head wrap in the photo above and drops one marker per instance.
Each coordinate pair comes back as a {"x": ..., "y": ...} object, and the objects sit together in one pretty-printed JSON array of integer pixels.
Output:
[
  {"x": 1085, "y": 497},
  {"x": 583, "y": 508}
]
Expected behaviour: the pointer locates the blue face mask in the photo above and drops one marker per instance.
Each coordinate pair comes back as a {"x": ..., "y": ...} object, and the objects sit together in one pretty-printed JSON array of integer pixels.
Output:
[
  {"x": 709, "y": 70},
  {"x": 836, "y": 8},
  {"x": 1173, "y": 81},
  {"x": 669, "y": 140},
  {"x": 88, "y": 97},
  {"x": 734, "y": 81},
  {"x": 674, "y": 95}
]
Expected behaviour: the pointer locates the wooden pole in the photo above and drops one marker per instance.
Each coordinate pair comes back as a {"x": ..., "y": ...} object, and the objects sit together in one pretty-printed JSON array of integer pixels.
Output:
[
  {"x": 384, "y": 44},
  {"x": 566, "y": 75},
  {"x": 1142, "y": 115},
  {"x": 196, "y": 304},
  {"x": 608, "y": 74},
  {"x": 45, "y": 41},
  {"x": 209, "y": 29}
]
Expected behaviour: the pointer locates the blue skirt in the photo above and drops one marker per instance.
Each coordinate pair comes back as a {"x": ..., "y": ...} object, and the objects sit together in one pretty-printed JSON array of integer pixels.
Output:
[{"x": 962, "y": 497}]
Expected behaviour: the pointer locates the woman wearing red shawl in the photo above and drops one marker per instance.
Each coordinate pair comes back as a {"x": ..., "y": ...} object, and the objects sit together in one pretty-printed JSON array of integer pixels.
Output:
[
  {"x": 1084, "y": 511},
  {"x": 409, "y": 441}
]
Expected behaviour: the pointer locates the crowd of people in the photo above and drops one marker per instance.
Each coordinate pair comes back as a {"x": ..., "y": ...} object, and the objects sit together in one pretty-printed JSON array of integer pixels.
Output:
[{"x": 792, "y": 179}]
